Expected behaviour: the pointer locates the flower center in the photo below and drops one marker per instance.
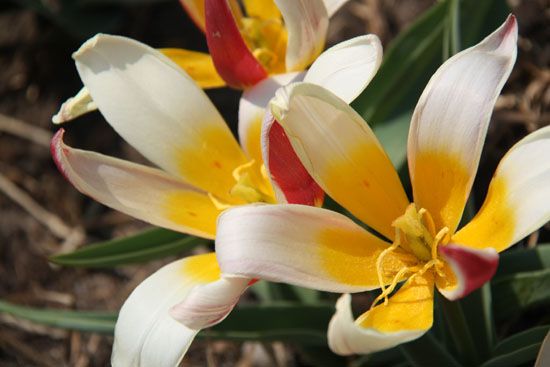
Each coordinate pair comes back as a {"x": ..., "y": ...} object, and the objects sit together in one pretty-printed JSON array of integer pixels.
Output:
[
  {"x": 267, "y": 40},
  {"x": 252, "y": 186},
  {"x": 415, "y": 233}
]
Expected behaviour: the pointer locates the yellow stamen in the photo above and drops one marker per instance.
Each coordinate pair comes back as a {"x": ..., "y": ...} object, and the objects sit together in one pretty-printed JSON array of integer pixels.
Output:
[
  {"x": 379, "y": 260},
  {"x": 387, "y": 291}
]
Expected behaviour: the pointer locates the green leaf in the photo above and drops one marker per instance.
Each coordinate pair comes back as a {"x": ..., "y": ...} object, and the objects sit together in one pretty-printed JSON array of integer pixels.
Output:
[
  {"x": 515, "y": 293},
  {"x": 427, "y": 351},
  {"x": 518, "y": 357},
  {"x": 522, "y": 260},
  {"x": 289, "y": 322},
  {"x": 145, "y": 246},
  {"x": 99, "y": 322},
  {"x": 521, "y": 340},
  {"x": 393, "y": 137}
]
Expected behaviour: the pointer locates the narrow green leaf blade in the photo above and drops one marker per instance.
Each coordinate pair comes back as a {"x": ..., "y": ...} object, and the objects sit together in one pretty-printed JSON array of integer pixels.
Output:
[
  {"x": 289, "y": 322},
  {"x": 515, "y": 358},
  {"x": 145, "y": 246},
  {"x": 522, "y": 260},
  {"x": 522, "y": 339},
  {"x": 427, "y": 351}
]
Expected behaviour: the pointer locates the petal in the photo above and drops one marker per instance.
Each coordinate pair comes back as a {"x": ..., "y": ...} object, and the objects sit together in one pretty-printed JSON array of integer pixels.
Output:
[
  {"x": 407, "y": 316},
  {"x": 262, "y": 9},
  {"x": 450, "y": 122},
  {"x": 306, "y": 22},
  {"x": 341, "y": 153},
  {"x": 145, "y": 333},
  {"x": 471, "y": 269},
  {"x": 209, "y": 304},
  {"x": 74, "y": 107},
  {"x": 160, "y": 111},
  {"x": 348, "y": 67},
  {"x": 252, "y": 108},
  {"x": 198, "y": 65},
  {"x": 518, "y": 200},
  {"x": 195, "y": 10},
  {"x": 139, "y": 191},
  {"x": 234, "y": 61},
  {"x": 302, "y": 245},
  {"x": 333, "y": 6},
  {"x": 289, "y": 178}
]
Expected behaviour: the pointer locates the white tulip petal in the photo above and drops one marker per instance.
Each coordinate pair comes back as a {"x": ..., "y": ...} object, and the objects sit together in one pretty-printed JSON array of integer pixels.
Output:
[
  {"x": 74, "y": 107},
  {"x": 306, "y": 22},
  {"x": 145, "y": 334},
  {"x": 450, "y": 122},
  {"x": 142, "y": 192},
  {"x": 209, "y": 304},
  {"x": 341, "y": 153},
  {"x": 157, "y": 108},
  {"x": 301, "y": 245},
  {"x": 345, "y": 337},
  {"x": 518, "y": 199},
  {"x": 348, "y": 67}
]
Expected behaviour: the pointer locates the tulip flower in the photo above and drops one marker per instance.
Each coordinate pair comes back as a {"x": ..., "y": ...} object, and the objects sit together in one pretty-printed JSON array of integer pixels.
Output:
[
  {"x": 272, "y": 37},
  {"x": 417, "y": 246},
  {"x": 157, "y": 108}
]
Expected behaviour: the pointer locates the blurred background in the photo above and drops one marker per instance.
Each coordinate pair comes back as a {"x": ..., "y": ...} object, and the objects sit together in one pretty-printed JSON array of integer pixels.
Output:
[{"x": 41, "y": 214}]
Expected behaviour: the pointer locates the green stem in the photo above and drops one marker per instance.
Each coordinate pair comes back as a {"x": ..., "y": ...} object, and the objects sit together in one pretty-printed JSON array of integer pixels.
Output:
[{"x": 460, "y": 333}]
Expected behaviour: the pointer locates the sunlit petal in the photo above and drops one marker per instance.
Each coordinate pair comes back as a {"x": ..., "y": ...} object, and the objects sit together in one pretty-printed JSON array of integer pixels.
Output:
[
  {"x": 347, "y": 68},
  {"x": 450, "y": 123},
  {"x": 306, "y": 22},
  {"x": 300, "y": 245},
  {"x": 209, "y": 304},
  {"x": 142, "y": 192},
  {"x": 518, "y": 200},
  {"x": 145, "y": 333},
  {"x": 407, "y": 316},
  {"x": 160, "y": 111},
  {"x": 341, "y": 153}
]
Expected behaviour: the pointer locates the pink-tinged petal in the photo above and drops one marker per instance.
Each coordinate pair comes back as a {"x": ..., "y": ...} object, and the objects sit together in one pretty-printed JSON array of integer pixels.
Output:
[
  {"x": 291, "y": 181},
  {"x": 252, "y": 109},
  {"x": 471, "y": 269},
  {"x": 348, "y": 67},
  {"x": 209, "y": 304},
  {"x": 145, "y": 333},
  {"x": 518, "y": 199},
  {"x": 302, "y": 245},
  {"x": 333, "y": 6},
  {"x": 158, "y": 109},
  {"x": 307, "y": 23},
  {"x": 195, "y": 10},
  {"x": 232, "y": 58},
  {"x": 142, "y": 192},
  {"x": 407, "y": 316},
  {"x": 450, "y": 122}
]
